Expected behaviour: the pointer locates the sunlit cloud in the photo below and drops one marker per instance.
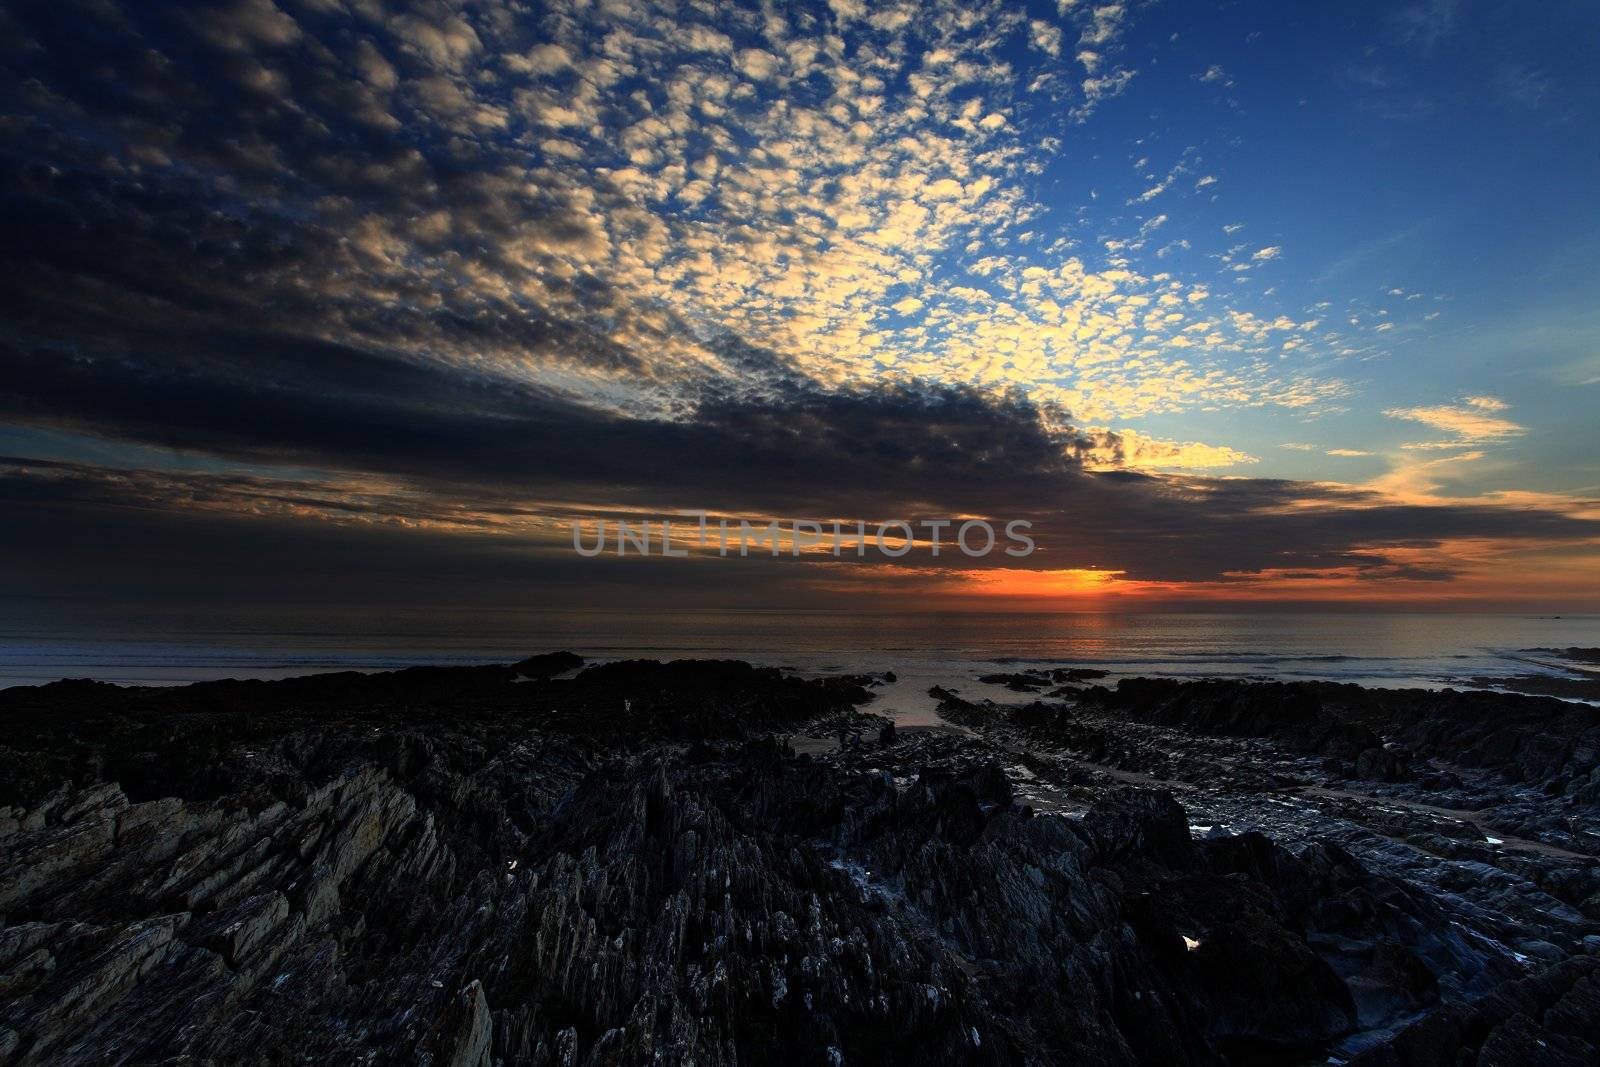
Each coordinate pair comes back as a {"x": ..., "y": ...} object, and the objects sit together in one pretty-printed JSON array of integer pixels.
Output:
[
  {"x": 1130, "y": 449},
  {"x": 1470, "y": 421}
]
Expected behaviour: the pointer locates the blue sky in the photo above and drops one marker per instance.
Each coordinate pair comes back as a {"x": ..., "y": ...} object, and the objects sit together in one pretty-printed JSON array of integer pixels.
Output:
[{"x": 1447, "y": 151}]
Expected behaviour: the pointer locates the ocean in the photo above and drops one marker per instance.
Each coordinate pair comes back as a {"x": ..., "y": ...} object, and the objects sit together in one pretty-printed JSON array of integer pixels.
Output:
[{"x": 1395, "y": 650}]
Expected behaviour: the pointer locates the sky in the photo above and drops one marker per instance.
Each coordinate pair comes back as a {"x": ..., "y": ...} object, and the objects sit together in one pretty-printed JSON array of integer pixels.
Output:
[{"x": 371, "y": 301}]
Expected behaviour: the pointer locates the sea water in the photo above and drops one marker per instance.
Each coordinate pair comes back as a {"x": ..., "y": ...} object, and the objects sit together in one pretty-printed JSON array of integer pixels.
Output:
[{"x": 1388, "y": 649}]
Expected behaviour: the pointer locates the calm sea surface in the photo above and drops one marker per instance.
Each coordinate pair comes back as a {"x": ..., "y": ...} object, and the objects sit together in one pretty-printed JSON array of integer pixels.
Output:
[{"x": 1372, "y": 649}]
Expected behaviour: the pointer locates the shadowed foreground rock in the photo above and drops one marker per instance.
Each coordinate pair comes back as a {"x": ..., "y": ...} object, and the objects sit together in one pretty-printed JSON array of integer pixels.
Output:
[{"x": 499, "y": 865}]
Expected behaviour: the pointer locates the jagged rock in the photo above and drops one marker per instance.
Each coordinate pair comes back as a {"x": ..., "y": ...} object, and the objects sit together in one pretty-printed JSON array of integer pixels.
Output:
[
  {"x": 1292, "y": 713},
  {"x": 474, "y": 1035},
  {"x": 547, "y": 665},
  {"x": 501, "y": 865},
  {"x": 1385, "y": 764},
  {"x": 1077, "y": 674},
  {"x": 1551, "y": 1019},
  {"x": 1020, "y": 683}
]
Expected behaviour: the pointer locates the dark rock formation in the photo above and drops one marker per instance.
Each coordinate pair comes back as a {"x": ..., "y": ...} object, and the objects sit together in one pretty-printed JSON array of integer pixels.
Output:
[
  {"x": 1389, "y": 763},
  {"x": 1018, "y": 683},
  {"x": 504, "y": 865},
  {"x": 1552, "y": 1019},
  {"x": 1568, "y": 688},
  {"x": 1551, "y": 745},
  {"x": 1293, "y": 714},
  {"x": 1077, "y": 674},
  {"x": 548, "y": 665}
]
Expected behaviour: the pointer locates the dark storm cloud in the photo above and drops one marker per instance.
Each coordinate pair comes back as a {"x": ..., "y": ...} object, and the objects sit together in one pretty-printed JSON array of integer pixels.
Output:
[
  {"x": 85, "y": 542},
  {"x": 287, "y": 401},
  {"x": 464, "y": 447}
]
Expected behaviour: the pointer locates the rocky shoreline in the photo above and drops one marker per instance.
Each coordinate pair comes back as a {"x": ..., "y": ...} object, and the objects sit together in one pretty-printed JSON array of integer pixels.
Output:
[{"x": 708, "y": 862}]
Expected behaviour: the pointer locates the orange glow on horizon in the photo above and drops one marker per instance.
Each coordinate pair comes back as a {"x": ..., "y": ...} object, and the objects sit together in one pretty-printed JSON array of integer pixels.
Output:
[
  {"x": 1467, "y": 573},
  {"x": 1071, "y": 582}
]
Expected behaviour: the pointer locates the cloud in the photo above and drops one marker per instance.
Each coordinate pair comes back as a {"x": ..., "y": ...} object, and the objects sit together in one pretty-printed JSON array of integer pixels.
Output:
[
  {"x": 408, "y": 457},
  {"x": 1523, "y": 86},
  {"x": 404, "y": 271},
  {"x": 1101, "y": 27},
  {"x": 757, "y": 64},
  {"x": 1098, "y": 88},
  {"x": 1102, "y": 23},
  {"x": 293, "y": 540},
  {"x": 246, "y": 25},
  {"x": 1128, "y": 449},
  {"x": 1045, "y": 37},
  {"x": 1424, "y": 25},
  {"x": 501, "y": 197},
  {"x": 1470, "y": 421},
  {"x": 1151, "y": 193}
]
